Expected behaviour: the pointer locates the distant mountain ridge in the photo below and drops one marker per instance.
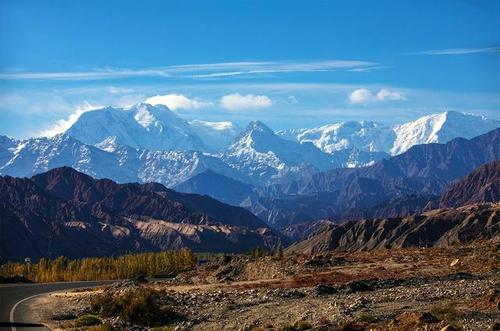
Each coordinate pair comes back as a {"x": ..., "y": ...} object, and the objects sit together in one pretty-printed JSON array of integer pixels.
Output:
[
  {"x": 441, "y": 227},
  {"x": 480, "y": 186},
  {"x": 66, "y": 212},
  {"x": 220, "y": 187},
  {"x": 424, "y": 170}
]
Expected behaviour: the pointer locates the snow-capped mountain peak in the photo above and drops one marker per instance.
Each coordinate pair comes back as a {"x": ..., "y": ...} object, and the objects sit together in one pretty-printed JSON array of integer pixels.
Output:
[
  {"x": 440, "y": 128},
  {"x": 257, "y": 136},
  {"x": 258, "y": 126},
  {"x": 140, "y": 126},
  {"x": 261, "y": 154}
]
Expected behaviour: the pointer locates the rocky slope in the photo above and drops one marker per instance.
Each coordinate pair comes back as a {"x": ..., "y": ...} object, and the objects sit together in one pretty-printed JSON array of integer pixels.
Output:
[
  {"x": 66, "y": 212},
  {"x": 298, "y": 232},
  {"x": 481, "y": 185},
  {"x": 440, "y": 227}
]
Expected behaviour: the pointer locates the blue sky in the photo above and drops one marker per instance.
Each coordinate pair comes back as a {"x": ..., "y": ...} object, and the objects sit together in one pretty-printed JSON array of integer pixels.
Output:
[{"x": 287, "y": 63}]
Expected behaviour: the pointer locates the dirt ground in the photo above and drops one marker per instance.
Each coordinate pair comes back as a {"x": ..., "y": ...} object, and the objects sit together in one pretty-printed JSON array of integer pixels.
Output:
[{"x": 404, "y": 289}]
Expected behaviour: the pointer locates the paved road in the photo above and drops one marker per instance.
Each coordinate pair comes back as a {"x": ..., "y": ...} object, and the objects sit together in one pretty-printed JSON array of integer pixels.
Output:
[{"x": 12, "y": 294}]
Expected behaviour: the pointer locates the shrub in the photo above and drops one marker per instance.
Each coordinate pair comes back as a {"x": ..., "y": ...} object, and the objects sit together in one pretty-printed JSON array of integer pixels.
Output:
[
  {"x": 142, "y": 307},
  {"x": 352, "y": 326},
  {"x": 298, "y": 326},
  {"x": 365, "y": 318},
  {"x": 302, "y": 325},
  {"x": 86, "y": 320},
  {"x": 63, "y": 316}
]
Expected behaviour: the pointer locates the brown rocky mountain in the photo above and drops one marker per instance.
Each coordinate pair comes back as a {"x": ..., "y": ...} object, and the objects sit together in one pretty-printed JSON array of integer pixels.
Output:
[
  {"x": 300, "y": 231},
  {"x": 65, "y": 212},
  {"x": 481, "y": 185},
  {"x": 440, "y": 227}
]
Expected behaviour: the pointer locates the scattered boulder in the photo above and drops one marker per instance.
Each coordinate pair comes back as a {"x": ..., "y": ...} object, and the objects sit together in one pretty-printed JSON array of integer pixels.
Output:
[
  {"x": 289, "y": 294},
  {"x": 322, "y": 289},
  {"x": 357, "y": 286}
]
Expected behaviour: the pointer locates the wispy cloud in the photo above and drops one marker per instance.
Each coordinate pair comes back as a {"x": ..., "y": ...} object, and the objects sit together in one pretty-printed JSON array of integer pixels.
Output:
[
  {"x": 197, "y": 71},
  {"x": 460, "y": 51}
]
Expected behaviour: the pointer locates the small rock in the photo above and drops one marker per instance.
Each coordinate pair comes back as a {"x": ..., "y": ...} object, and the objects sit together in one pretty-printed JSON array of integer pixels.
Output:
[
  {"x": 448, "y": 328},
  {"x": 454, "y": 262}
]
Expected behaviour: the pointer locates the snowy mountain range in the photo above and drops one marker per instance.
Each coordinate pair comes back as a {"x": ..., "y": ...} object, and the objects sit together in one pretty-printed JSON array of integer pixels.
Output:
[
  {"x": 122, "y": 163},
  {"x": 376, "y": 137},
  {"x": 144, "y": 143}
]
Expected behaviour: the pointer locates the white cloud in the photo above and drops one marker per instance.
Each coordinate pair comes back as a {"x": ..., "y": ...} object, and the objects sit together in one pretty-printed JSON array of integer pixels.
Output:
[
  {"x": 360, "y": 95},
  {"x": 460, "y": 51},
  {"x": 385, "y": 94},
  {"x": 237, "y": 101},
  {"x": 363, "y": 95},
  {"x": 64, "y": 124},
  {"x": 177, "y": 101}
]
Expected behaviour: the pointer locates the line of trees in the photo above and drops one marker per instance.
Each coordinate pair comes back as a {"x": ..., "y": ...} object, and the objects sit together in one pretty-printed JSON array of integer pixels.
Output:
[{"x": 97, "y": 268}]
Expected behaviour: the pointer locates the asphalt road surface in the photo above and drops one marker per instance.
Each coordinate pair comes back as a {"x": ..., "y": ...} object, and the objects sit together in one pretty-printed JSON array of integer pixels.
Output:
[{"x": 14, "y": 315}]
